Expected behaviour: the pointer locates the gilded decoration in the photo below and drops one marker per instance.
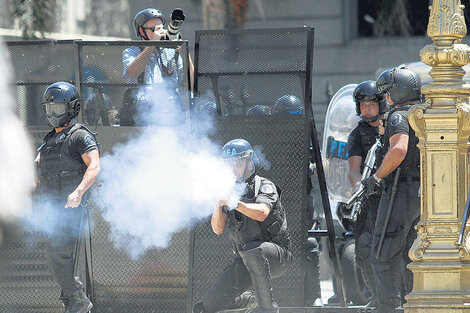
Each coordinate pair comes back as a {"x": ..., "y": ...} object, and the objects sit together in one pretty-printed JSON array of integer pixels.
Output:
[
  {"x": 459, "y": 55},
  {"x": 415, "y": 118},
  {"x": 420, "y": 244},
  {"x": 447, "y": 20},
  {"x": 429, "y": 55}
]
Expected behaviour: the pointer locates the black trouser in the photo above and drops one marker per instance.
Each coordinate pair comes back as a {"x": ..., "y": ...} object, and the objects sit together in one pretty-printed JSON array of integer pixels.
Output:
[
  {"x": 363, "y": 230},
  {"x": 389, "y": 267},
  {"x": 254, "y": 268},
  {"x": 62, "y": 239}
]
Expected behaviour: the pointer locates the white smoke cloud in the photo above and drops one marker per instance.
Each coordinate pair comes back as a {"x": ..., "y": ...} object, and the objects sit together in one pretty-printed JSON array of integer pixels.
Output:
[
  {"x": 16, "y": 159},
  {"x": 157, "y": 183}
]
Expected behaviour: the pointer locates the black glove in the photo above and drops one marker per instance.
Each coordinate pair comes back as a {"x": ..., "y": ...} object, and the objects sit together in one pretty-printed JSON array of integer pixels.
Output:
[
  {"x": 225, "y": 209},
  {"x": 373, "y": 186}
]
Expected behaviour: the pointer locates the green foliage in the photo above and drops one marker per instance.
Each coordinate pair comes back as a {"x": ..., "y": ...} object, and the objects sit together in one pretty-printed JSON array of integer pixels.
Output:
[{"x": 32, "y": 16}]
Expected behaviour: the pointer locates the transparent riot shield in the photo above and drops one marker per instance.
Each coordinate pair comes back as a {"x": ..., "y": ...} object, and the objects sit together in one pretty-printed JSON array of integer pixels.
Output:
[{"x": 340, "y": 120}]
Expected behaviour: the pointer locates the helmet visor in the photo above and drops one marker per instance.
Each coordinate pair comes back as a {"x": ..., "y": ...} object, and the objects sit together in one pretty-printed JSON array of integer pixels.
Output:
[
  {"x": 240, "y": 165},
  {"x": 54, "y": 108}
]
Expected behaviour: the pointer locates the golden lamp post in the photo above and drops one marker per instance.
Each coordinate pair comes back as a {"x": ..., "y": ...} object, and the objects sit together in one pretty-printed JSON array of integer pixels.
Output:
[{"x": 440, "y": 266}]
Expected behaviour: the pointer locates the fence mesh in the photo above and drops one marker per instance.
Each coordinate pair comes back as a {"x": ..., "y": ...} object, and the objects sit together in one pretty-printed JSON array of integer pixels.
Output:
[{"x": 237, "y": 70}]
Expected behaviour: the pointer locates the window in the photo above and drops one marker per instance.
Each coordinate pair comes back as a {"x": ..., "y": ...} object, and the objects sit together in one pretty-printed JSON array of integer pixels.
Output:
[{"x": 385, "y": 18}]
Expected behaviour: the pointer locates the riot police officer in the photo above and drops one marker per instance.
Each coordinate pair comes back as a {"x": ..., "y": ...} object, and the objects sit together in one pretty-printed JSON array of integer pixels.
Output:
[
  {"x": 68, "y": 163},
  {"x": 392, "y": 239},
  {"x": 257, "y": 229},
  {"x": 371, "y": 106},
  {"x": 287, "y": 104}
]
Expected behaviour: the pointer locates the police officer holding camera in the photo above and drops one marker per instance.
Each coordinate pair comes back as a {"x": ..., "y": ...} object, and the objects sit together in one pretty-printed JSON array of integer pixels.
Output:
[
  {"x": 257, "y": 229},
  {"x": 399, "y": 174}
]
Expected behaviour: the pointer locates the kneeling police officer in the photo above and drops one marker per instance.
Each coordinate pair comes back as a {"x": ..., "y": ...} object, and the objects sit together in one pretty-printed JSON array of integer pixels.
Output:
[
  {"x": 260, "y": 239},
  {"x": 68, "y": 163}
]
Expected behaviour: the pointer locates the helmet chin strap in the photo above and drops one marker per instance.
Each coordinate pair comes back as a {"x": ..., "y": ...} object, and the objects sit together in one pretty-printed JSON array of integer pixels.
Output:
[
  {"x": 69, "y": 123},
  {"x": 145, "y": 37}
]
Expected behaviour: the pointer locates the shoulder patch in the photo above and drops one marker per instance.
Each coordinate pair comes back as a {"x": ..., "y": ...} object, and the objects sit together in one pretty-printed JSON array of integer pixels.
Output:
[
  {"x": 89, "y": 141},
  {"x": 395, "y": 119},
  {"x": 267, "y": 188}
]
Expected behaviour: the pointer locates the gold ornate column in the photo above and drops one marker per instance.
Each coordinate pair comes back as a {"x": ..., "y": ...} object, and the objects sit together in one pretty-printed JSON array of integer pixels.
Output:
[{"x": 441, "y": 268}]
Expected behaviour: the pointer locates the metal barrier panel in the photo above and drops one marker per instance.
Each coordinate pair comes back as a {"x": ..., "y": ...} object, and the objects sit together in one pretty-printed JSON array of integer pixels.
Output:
[
  {"x": 156, "y": 282},
  {"x": 38, "y": 64},
  {"x": 25, "y": 283},
  {"x": 239, "y": 70}
]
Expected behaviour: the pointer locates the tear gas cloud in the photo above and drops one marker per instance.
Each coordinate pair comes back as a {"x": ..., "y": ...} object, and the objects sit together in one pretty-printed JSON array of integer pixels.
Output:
[
  {"x": 16, "y": 159},
  {"x": 163, "y": 179}
]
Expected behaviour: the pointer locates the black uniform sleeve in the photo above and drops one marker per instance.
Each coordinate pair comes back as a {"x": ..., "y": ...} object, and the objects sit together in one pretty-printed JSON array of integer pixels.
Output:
[
  {"x": 354, "y": 143},
  {"x": 82, "y": 142},
  {"x": 397, "y": 123},
  {"x": 267, "y": 193}
]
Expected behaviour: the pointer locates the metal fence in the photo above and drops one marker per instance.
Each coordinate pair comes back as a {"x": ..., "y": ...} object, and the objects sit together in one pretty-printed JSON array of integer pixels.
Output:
[
  {"x": 156, "y": 282},
  {"x": 235, "y": 69},
  {"x": 239, "y": 70}
]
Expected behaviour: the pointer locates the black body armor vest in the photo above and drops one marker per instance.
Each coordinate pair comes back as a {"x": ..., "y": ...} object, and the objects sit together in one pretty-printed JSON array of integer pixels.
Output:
[
  {"x": 410, "y": 167},
  {"x": 59, "y": 172},
  {"x": 243, "y": 229},
  {"x": 369, "y": 136}
]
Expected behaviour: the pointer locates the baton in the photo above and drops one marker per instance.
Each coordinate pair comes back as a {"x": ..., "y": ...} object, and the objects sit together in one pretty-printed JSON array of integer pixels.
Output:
[{"x": 389, "y": 212}]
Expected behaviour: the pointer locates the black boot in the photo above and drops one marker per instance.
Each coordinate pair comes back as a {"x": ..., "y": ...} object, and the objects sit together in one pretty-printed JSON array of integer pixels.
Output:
[
  {"x": 78, "y": 303},
  {"x": 258, "y": 266},
  {"x": 65, "y": 300}
]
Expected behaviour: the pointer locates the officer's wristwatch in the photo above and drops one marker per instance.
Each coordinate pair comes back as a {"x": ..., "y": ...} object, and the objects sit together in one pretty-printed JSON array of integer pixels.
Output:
[{"x": 379, "y": 180}]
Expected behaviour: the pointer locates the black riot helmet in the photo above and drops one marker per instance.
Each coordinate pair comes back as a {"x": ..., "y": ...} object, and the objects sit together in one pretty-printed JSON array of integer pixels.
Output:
[
  {"x": 401, "y": 84},
  {"x": 367, "y": 91},
  {"x": 61, "y": 104},
  {"x": 259, "y": 110},
  {"x": 145, "y": 15},
  {"x": 239, "y": 154},
  {"x": 287, "y": 104}
]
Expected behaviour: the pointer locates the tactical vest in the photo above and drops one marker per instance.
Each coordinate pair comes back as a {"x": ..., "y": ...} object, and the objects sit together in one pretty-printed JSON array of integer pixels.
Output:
[
  {"x": 410, "y": 167},
  {"x": 369, "y": 135},
  {"x": 60, "y": 173},
  {"x": 243, "y": 229}
]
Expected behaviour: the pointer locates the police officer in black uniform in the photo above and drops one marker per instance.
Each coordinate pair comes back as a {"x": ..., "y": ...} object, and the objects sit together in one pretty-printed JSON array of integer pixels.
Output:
[
  {"x": 68, "y": 163},
  {"x": 402, "y": 89},
  {"x": 371, "y": 106},
  {"x": 257, "y": 229}
]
